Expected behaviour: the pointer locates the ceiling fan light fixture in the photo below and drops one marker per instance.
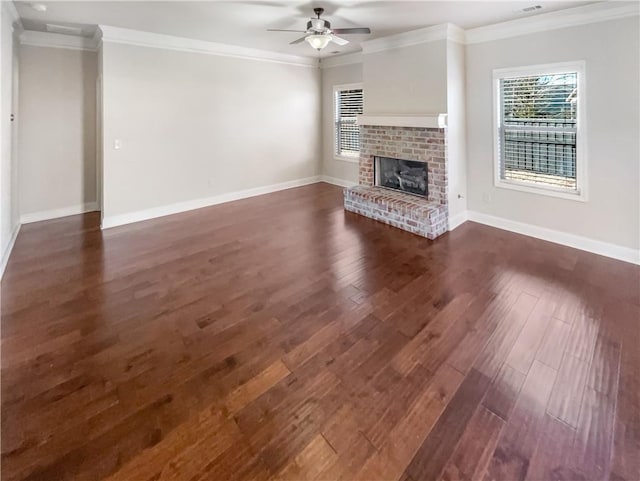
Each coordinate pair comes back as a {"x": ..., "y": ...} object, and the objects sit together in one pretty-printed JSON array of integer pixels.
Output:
[{"x": 318, "y": 41}]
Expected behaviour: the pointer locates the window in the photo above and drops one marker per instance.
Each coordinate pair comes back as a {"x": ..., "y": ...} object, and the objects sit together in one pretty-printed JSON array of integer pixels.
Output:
[
  {"x": 347, "y": 103},
  {"x": 538, "y": 112}
]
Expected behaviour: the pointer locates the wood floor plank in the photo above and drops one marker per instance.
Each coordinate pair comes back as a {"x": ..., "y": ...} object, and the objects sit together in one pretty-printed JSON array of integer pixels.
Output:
[
  {"x": 307, "y": 465},
  {"x": 526, "y": 346},
  {"x": 594, "y": 437},
  {"x": 625, "y": 462},
  {"x": 430, "y": 460},
  {"x": 246, "y": 393},
  {"x": 280, "y": 337},
  {"x": 504, "y": 391},
  {"x": 343, "y": 433},
  {"x": 555, "y": 456},
  {"x": 519, "y": 439},
  {"x": 604, "y": 371},
  {"x": 554, "y": 343},
  {"x": 504, "y": 336},
  {"x": 471, "y": 457},
  {"x": 566, "y": 397},
  {"x": 403, "y": 442}
]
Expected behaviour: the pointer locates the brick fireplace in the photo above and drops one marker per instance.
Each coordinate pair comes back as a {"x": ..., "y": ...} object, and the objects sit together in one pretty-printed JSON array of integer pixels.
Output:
[{"x": 424, "y": 216}]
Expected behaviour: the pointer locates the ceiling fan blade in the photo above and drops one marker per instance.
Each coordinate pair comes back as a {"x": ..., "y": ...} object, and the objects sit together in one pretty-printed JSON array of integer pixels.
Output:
[
  {"x": 338, "y": 40},
  {"x": 301, "y": 39},
  {"x": 347, "y": 31},
  {"x": 279, "y": 30}
]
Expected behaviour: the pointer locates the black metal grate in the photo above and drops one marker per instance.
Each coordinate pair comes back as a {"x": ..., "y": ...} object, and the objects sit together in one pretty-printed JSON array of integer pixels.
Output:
[{"x": 408, "y": 176}]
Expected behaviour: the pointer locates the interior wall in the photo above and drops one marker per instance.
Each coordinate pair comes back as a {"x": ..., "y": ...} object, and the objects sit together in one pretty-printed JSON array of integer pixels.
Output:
[
  {"x": 193, "y": 126},
  {"x": 9, "y": 218},
  {"x": 456, "y": 131},
  {"x": 57, "y": 130},
  {"x": 332, "y": 76},
  {"x": 407, "y": 80},
  {"x": 610, "y": 50}
]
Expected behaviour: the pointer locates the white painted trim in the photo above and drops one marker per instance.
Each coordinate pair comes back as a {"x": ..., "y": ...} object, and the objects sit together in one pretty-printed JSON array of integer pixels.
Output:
[
  {"x": 56, "y": 213},
  {"x": 16, "y": 21},
  {"x": 7, "y": 251},
  {"x": 578, "y": 242},
  {"x": 445, "y": 31},
  {"x": 58, "y": 40},
  {"x": 436, "y": 121},
  {"x": 340, "y": 60},
  {"x": 458, "y": 220},
  {"x": 182, "y": 44},
  {"x": 352, "y": 86},
  {"x": 570, "y": 17},
  {"x": 345, "y": 158},
  {"x": 581, "y": 151},
  {"x": 161, "y": 211},
  {"x": 339, "y": 182}
]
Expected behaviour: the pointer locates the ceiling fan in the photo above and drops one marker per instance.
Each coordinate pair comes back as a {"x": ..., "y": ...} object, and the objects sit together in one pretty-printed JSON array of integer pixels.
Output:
[{"x": 319, "y": 33}]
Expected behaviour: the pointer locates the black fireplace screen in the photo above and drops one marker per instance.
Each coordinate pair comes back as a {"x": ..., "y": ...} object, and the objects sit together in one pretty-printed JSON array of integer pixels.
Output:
[{"x": 404, "y": 175}]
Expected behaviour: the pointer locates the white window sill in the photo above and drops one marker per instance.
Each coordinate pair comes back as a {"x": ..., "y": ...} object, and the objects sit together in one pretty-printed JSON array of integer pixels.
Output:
[
  {"x": 345, "y": 158},
  {"x": 546, "y": 191}
]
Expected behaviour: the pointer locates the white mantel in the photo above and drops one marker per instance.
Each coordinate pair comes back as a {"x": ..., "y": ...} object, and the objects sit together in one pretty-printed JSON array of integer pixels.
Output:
[{"x": 436, "y": 121}]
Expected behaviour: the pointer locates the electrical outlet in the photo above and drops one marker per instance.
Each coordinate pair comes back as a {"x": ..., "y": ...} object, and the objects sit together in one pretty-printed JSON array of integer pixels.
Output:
[
  {"x": 117, "y": 144},
  {"x": 486, "y": 197}
]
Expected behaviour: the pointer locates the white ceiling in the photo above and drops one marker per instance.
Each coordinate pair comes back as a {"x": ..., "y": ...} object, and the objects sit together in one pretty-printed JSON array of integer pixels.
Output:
[{"x": 244, "y": 23}]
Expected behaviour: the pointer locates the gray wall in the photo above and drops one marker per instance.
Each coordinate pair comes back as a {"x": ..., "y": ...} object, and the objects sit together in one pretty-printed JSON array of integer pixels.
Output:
[
  {"x": 610, "y": 50},
  {"x": 9, "y": 215},
  {"x": 332, "y": 76},
  {"x": 57, "y": 129},
  {"x": 407, "y": 80},
  {"x": 193, "y": 126}
]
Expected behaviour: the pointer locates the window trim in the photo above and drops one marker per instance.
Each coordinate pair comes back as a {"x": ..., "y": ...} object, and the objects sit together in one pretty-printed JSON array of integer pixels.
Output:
[
  {"x": 355, "y": 159},
  {"x": 581, "y": 127}
]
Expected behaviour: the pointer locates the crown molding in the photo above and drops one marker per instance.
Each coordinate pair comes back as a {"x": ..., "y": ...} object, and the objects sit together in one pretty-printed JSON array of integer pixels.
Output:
[
  {"x": 182, "y": 44},
  {"x": 10, "y": 9},
  {"x": 445, "y": 31},
  {"x": 570, "y": 17},
  {"x": 58, "y": 40},
  {"x": 597, "y": 12},
  {"x": 340, "y": 60}
]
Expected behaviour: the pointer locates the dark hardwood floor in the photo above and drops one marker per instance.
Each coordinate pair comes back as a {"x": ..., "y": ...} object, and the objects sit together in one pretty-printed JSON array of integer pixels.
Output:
[{"x": 280, "y": 337}]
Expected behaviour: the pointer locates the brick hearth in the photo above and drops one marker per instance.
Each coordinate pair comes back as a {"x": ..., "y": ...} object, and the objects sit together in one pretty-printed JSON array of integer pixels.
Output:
[
  {"x": 427, "y": 217},
  {"x": 406, "y": 212}
]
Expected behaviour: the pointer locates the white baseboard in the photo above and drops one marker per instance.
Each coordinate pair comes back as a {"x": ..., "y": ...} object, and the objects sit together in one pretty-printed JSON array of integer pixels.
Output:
[
  {"x": 56, "y": 213},
  {"x": 578, "y": 242},
  {"x": 146, "y": 214},
  {"x": 7, "y": 251},
  {"x": 336, "y": 181},
  {"x": 458, "y": 220}
]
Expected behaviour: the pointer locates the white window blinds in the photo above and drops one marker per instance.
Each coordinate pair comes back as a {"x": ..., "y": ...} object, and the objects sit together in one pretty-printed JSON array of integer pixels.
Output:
[
  {"x": 348, "y": 102},
  {"x": 537, "y": 130}
]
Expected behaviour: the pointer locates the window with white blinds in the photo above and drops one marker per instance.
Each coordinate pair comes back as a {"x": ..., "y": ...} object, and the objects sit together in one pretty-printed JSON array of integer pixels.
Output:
[
  {"x": 538, "y": 113},
  {"x": 347, "y": 103}
]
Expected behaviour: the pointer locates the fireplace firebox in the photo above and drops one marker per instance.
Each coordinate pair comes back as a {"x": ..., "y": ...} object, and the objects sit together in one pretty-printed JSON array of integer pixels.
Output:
[{"x": 407, "y": 176}]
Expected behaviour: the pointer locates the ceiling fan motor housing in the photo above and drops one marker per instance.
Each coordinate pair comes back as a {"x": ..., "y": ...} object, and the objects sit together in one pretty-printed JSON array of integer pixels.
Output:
[{"x": 318, "y": 24}]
